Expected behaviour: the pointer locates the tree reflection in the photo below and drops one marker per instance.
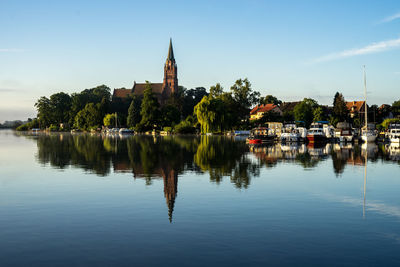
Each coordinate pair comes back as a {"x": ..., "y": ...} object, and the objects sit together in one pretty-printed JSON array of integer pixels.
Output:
[{"x": 169, "y": 157}]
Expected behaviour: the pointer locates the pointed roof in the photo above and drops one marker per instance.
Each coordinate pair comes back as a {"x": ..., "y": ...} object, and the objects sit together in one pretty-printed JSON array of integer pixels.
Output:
[{"x": 170, "y": 51}]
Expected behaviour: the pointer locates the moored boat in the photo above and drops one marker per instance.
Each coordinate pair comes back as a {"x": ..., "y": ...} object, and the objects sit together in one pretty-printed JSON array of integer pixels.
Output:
[
  {"x": 394, "y": 133},
  {"x": 316, "y": 133},
  {"x": 290, "y": 133},
  {"x": 368, "y": 134},
  {"x": 344, "y": 132},
  {"x": 260, "y": 135}
]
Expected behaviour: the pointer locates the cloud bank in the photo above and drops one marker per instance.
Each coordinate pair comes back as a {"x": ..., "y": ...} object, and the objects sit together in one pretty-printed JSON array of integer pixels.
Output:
[
  {"x": 369, "y": 49},
  {"x": 391, "y": 18}
]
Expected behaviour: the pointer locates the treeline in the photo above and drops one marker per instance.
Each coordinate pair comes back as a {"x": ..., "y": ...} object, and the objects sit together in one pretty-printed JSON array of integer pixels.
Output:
[{"x": 188, "y": 110}]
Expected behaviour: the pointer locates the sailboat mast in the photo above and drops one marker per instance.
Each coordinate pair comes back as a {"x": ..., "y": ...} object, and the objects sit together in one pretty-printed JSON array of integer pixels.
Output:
[
  {"x": 365, "y": 180},
  {"x": 365, "y": 95}
]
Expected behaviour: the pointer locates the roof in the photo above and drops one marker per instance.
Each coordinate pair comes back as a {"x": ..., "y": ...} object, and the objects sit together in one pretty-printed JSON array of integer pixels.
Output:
[
  {"x": 355, "y": 105},
  {"x": 138, "y": 88},
  {"x": 122, "y": 93},
  {"x": 384, "y": 106},
  {"x": 288, "y": 106},
  {"x": 263, "y": 108}
]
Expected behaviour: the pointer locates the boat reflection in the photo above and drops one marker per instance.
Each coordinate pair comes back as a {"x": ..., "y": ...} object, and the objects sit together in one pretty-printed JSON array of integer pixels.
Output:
[{"x": 169, "y": 157}]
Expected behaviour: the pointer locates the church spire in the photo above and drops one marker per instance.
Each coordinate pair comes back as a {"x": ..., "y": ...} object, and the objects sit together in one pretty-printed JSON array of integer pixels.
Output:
[{"x": 170, "y": 51}]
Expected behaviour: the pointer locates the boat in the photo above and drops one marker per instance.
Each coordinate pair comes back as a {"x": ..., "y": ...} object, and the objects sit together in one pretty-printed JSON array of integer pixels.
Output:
[
  {"x": 316, "y": 133},
  {"x": 290, "y": 133},
  {"x": 125, "y": 131},
  {"x": 260, "y": 135},
  {"x": 394, "y": 133},
  {"x": 344, "y": 132},
  {"x": 367, "y": 132}
]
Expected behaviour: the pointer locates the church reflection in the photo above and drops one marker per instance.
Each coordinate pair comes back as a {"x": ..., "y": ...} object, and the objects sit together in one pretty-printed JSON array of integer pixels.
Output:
[{"x": 170, "y": 157}]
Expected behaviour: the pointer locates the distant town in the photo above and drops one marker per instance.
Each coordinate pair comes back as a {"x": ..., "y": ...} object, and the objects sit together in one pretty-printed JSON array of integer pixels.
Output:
[{"x": 171, "y": 108}]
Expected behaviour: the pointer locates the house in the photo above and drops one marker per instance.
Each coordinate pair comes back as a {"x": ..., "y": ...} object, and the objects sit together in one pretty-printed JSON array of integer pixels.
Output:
[
  {"x": 288, "y": 106},
  {"x": 355, "y": 108},
  {"x": 258, "y": 111}
]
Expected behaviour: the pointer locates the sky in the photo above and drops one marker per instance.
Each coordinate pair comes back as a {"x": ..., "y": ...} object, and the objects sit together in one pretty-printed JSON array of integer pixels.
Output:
[{"x": 290, "y": 49}]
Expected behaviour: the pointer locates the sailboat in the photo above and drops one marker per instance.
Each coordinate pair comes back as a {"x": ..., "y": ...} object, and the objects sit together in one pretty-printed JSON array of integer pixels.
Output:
[{"x": 367, "y": 134}]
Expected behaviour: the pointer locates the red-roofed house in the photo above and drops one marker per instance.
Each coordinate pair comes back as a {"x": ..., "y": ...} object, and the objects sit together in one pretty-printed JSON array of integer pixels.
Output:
[
  {"x": 355, "y": 107},
  {"x": 258, "y": 111}
]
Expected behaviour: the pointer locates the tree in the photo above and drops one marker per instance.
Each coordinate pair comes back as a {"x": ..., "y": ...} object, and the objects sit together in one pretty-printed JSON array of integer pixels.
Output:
[
  {"x": 244, "y": 96},
  {"x": 396, "y": 108},
  {"x": 191, "y": 98},
  {"x": 109, "y": 120},
  {"x": 45, "y": 112},
  {"x": 269, "y": 117},
  {"x": 210, "y": 114},
  {"x": 60, "y": 104},
  {"x": 216, "y": 90},
  {"x": 134, "y": 116},
  {"x": 340, "y": 110},
  {"x": 230, "y": 111},
  {"x": 319, "y": 114},
  {"x": 170, "y": 115},
  {"x": 270, "y": 99},
  {"x": 88, "y": 118},
  {"x": 149, "y": 108},
  {"x": 304, "y": 111}
]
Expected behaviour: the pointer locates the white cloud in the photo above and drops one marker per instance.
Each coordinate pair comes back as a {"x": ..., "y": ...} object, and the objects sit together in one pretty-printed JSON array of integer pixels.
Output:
[
  {"x": 369, "y": 49},
  {"x": 11, "y": 50},
  {"x": 391, "y": 18}
]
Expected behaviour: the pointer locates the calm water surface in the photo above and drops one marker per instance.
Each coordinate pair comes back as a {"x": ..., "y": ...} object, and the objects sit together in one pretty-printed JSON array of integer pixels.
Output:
[{"x": 79, "y": 200}]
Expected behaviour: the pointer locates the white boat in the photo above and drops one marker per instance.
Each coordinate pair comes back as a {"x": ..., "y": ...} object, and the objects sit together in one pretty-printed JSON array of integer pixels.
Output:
[
  {"x": 316, "y": 133},
  {"x": 290, "y": 134},
  {"x": 394, "y": 133},
  {"x": 368, "y": 134},
  {"x": 343, "y": 132}
]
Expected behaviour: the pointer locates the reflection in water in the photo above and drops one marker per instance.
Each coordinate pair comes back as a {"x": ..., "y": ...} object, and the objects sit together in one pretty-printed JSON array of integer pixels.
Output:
[{"x": 148, "y": 157}]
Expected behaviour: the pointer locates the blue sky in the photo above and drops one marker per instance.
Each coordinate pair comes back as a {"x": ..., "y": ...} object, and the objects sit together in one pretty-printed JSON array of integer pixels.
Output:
[{"x": 291, "y": 49}]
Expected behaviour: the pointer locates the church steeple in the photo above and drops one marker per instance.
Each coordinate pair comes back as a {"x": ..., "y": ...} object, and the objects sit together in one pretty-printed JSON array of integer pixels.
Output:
[
  {"x": 170, "y": 84},
  {"x": 171, "y": 51}
]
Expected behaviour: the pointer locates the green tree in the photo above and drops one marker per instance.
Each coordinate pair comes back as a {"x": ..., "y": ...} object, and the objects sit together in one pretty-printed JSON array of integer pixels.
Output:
[
  {"x": 60, "y": 105},
  {"x": 340, "y": 110},
  {"x": 134, "y": 116},
  {"x": 191, "y": 98},
  {"x": 319, "y": 114},
  {"x": 396, "y": 108},
  {"x": 270, "y": 116},
  {"x": 45, "y": 112},
  {"x": 244, "y": 97},
  {"x": 304, "y": 111},
  {"x": 149, "y": 108},
  {"x": 170, "y": 115},
  {"x": 216, "y": 90},
  {"x": 88, "y": 118},
  {"x": 270, "y": 99},
  {"x": 210, "y": 114},
  {"x": 230, "y": 111},
  {"x": 109, "y": 120}
]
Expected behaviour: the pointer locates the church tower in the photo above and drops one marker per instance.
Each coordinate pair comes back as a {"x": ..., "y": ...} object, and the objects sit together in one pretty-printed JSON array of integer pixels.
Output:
[{"x": 170, "y": 84}]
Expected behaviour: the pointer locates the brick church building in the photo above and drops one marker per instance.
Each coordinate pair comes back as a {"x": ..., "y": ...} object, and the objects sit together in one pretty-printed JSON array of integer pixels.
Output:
[{"x": 160, "y": 90}]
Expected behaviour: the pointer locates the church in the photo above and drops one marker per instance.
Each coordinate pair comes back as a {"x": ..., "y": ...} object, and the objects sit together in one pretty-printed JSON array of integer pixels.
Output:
[{"x": 162, "y": 91}]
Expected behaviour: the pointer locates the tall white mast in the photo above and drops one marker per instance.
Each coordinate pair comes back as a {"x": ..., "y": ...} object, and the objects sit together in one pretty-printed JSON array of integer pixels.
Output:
[{"x": 365, "y": 95}]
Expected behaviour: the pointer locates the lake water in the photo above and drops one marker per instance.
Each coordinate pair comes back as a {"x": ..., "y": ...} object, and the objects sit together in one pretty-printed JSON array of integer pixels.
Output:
[{"x": 80, "y": 200}]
